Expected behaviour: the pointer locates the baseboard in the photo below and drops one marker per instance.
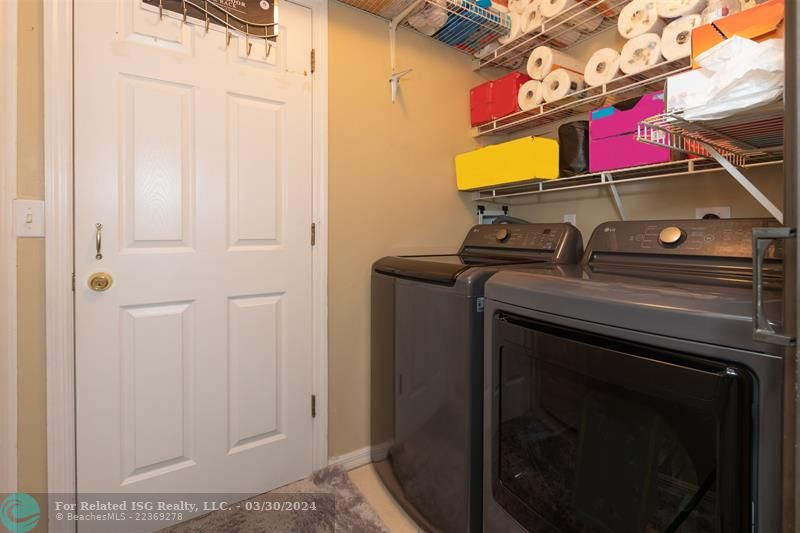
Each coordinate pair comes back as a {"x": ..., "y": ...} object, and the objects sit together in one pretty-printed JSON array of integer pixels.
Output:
[{"x": 362, "y": 456}]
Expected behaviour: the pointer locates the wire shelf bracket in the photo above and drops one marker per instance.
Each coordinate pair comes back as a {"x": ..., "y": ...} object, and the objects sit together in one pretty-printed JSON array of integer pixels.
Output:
[{"x": 732, "y": 142}]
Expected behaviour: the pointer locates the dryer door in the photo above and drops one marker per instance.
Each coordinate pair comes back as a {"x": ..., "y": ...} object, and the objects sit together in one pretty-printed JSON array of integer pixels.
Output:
[{"x": 590, "y": 434}]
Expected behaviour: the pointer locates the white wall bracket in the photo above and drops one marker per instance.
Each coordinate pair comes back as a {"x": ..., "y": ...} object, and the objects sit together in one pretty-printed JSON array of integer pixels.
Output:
[
  {"x": 394, "y": 82},
  {"x": 394, "y": 79},
  {"x": 744, "y": 182},
  {"x": 614, "y": 194}
]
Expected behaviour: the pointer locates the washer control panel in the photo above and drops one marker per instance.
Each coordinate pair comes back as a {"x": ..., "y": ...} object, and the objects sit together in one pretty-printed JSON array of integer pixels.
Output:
[
  {"x": 516, "y": 236},
  {"x": 718, "y": 238}
]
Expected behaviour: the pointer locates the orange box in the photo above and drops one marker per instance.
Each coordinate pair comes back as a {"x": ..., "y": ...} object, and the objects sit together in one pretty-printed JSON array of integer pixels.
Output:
[{"x": 765, "y": 21}]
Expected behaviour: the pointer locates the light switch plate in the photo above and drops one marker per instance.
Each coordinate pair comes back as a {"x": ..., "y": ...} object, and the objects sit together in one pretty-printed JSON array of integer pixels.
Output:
[{"x": 29, "y": 218}]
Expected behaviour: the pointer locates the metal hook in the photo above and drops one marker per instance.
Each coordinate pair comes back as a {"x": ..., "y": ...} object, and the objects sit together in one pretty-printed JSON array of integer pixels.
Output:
[
  {"x": 248, "y": 44},
  {"x": 160, "y": 9},
  {"x": 227, "y": 31},
  {"x": 268, "y": 46},
  {"x": 205, "y": 9},
  {"x": 184, "y": 11}
]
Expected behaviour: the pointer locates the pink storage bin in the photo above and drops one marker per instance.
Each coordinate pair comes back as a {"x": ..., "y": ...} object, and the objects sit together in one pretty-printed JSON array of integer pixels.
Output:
[
  {"x": 612, "y": 135},
  {"x": 624, "y": 151}
]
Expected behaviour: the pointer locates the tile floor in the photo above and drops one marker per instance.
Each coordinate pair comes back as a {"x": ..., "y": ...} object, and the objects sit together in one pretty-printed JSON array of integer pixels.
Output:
[{"x": 396, "y": 519}]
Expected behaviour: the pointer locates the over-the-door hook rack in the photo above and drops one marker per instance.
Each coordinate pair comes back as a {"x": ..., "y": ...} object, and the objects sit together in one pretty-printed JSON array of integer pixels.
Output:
[{"x": 268, "y": 31}]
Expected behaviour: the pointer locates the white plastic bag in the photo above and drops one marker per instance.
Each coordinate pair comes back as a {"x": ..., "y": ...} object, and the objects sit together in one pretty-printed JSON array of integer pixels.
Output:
[{"x": 740, "y": 74}]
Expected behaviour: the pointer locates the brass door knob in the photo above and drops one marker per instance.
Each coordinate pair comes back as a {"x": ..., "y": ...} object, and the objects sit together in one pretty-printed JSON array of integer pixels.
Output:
[{"x": 100, "y": 281}]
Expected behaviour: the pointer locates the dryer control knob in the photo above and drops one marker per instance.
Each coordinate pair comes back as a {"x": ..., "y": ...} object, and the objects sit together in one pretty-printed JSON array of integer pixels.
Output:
[
  {"x": 671, "y": 237},
  {"x": 501, "y": 235}
]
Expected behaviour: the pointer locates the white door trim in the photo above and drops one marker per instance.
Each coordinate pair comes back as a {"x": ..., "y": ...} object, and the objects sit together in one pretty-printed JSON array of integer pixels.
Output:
[
  {"x": 8, "y": 244},
  {"x": 58, "y": 83}
]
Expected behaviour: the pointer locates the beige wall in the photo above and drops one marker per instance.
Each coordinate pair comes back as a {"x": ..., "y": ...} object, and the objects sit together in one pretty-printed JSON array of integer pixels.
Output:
[
  {"x": 32, "y": 444},
  {"x": 391, "y": 183},
  {"x": 392, "y": 190}
]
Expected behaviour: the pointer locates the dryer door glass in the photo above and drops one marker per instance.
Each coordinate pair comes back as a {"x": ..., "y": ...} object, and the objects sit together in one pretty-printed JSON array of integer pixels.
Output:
[{"x": 593, "y": 435}]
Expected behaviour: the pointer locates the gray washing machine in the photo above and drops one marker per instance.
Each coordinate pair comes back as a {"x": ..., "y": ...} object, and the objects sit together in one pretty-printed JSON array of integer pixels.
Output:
[
  {"x": 627, "y": 395},
  {"x": 427, "y": 364}
]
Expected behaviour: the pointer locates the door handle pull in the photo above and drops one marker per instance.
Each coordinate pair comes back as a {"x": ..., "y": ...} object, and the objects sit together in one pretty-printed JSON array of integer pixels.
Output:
[
  {"x": 762, "y": 329},
  {"x": 98, "y": 241}
]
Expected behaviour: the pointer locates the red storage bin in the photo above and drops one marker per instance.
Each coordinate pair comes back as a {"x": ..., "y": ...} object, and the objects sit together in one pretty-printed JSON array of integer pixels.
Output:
[
  {"x": 505, "y": 92},
  {"x": 495, "y": 99},
  {"x": 480, "y": 103}
]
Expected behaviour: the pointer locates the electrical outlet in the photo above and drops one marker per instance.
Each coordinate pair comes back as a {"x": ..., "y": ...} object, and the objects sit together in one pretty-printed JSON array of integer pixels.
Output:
[
  {"x": 709, "y": 212},
  {"x": 571, "y": 218}
]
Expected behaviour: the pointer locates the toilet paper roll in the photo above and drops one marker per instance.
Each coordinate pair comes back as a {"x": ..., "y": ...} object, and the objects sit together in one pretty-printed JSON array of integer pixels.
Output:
[
  {"x": 602, "y": 67},
  {"x": 561, "y": 83},
  {"x": 579, "y": 17},
  {"x": 532, "y": 18},
  {"x": 676, "y": 41},
  {"x": 670, "y": 9},
  {"x": 518, "y": 6},
  {"x": 543, "y": 60},
  {"x": 640, "y": 53},
  {"x": 531, "y": 94},
  {"x": 516, "y": 30},
  {"x": 639, "y": 17}
]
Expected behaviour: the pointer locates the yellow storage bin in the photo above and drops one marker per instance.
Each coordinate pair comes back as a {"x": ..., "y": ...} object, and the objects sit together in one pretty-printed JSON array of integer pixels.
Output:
[{"x": 519, "y": 160}]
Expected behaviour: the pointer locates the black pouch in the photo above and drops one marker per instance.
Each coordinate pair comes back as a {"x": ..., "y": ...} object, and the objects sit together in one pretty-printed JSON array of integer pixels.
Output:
[{"x": 573, "y": 148}]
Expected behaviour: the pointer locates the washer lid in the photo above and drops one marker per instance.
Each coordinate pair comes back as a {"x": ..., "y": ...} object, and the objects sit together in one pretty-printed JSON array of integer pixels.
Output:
[
  {"x": 710, "y": 314},
  {"x": 439, "y": 268}
]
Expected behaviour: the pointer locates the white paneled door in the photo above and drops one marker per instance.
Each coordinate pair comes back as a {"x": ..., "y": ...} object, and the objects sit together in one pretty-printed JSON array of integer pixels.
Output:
[{"x": 194, "y": 369}]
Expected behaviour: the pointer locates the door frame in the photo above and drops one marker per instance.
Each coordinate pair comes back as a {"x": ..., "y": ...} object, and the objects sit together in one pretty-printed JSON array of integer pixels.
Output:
[
  {"x": 59, "y": 165},
  {"x": 8, "y": 244}
]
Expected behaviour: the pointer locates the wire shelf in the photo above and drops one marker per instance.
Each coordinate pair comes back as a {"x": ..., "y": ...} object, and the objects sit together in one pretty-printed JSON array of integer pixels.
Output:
[
  {"x": 586, "y": 100},
  {"x": 468, "y": 27},
  {"x": 568, "y": 28},
  {"x": 739, "y": 139},
  {"x": 614, "y": 177}
]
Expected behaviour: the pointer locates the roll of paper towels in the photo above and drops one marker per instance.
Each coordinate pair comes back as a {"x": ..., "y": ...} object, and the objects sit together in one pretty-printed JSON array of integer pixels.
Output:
[
  {"x": 532, "y": 18},
  {"x": 602, "y": 67},
  {"x": 579, "y": 16},
  {"x": 543, "y": 60},
  {"x": 518, "y": 6},
  {"x": 670, "y": 9},
  {"x": 639, "y": 17},
  {"x": 640, "y": 53},
  {"x": 531, "y": 94},
  {"x": 676, "y": 41},
  {"x": 561, "y": 83},
  {"x": 516, "y": 29}
]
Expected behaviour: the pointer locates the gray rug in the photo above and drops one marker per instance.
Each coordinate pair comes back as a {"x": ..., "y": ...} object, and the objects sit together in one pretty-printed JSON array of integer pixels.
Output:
[{"x": 326, "y": 501}]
